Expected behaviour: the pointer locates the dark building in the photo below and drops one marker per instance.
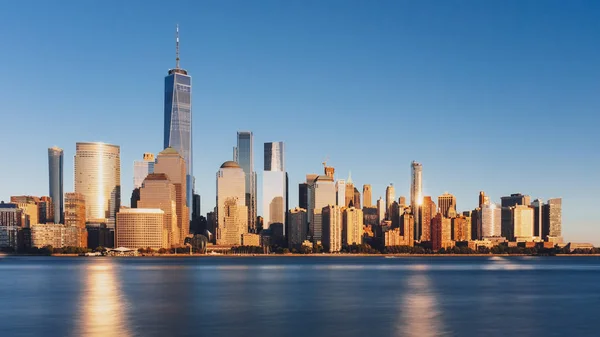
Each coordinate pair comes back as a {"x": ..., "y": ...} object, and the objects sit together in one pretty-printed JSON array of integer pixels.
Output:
[
  {"x": 196, "y": 207},
  {"x": 370, "y": 216},
  {"x": 475, "y": 229},
  {"x": 100, "y": 236},
  {"x": 538, "y": 206},
  {"x": 356, "y": 198},
  {"x": 507, "y": 228},
  {"x": 55, "y": 173},
  {"x": 552, "y": 219},
  {"x": 135, "y": 197},
  {"x": 303, "y": 196},
  {"x": 515, "y": 199}
]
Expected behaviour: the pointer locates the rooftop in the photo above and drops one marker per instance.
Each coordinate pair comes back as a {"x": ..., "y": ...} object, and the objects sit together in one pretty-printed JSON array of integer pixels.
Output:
[{"x": 230, "y": 164}]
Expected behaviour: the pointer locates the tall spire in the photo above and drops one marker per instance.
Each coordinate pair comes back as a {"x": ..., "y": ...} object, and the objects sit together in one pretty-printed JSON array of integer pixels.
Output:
[
  {"x": 177, "y": 46},
  {"x": 349, "y": 177}
]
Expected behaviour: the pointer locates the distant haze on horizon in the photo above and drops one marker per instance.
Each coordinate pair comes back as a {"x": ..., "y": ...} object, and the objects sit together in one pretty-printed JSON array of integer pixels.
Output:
[{"x": 494, "y": 96}]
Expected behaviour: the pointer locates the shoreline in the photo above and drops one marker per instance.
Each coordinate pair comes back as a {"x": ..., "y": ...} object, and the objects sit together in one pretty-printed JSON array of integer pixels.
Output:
[{"x": 311, "y": 255}]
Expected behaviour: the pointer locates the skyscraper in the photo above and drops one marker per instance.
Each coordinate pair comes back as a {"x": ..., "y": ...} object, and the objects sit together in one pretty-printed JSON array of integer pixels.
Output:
[
  {"x": 244, "y": 156},
  {"x": 349, "y": 198},
  {"x": 381, "y": 210},
  {"x": 75, "y": 214},
  {"x": 428, "y": 211},
  {"x": 356, "y": 199},
  {"x": 390, "y": 195},
  {"x": 158, "y": 192},
  {"x": 274, "y": 185},
  {"x": 332, "y": 227},
  {"x": 141, "y": 168},
  {"x": 445, "y": 202},
  {"x": 483, "y": 199},
  {"x": 322, "y": 195},
  {"x": 340, "y": 190},
  {"x": 232, "y": 214},
  {"x": 352, "y": 226},
  {"x": 98, "y": 178},
  {"x": 538, "y": 206},
  {"x": 522, "y": 223},
  {"x": 490, "y": 221},
  {"x": 172, "y": 164},
  {"x": 416, "y": 194},
  {"x": 55, "y": 172},
  {"x": 297, "y": 227},
  {"x": 178, "y": 119},
  {"x": 552, "y": 220},
  {"x": 515, "y": 199},
  {"x": 367, "y": 196}
]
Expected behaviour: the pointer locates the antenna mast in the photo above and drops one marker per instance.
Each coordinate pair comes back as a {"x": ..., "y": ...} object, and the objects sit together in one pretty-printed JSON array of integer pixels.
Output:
[{"x": 177, "y": 47}]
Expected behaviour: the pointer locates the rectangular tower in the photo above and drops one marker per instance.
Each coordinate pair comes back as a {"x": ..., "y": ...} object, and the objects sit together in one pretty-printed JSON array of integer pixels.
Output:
[
  {"x": 55, "y": 171},
  {"x": 274, "y": 185},
  {"x": 244, "y": 153}
]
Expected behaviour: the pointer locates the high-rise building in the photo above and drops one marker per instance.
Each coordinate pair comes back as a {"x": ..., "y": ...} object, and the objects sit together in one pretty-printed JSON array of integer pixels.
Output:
[
  {"x": 159, "y": 192},
  {"x": 515, "y": 199},
  {"x": 490, "y": 221},
  {"x": 370, "y": 216},
  {"x": 416, "y": 194},
  {"x": 352, "y": 226},
  {"x": 98, "y": 178},
  {"x": 332, "y": 228},
  {"x": 322, "y": 195},
  {"x": 274, "y": 185},
  {"x": 140, "y": 228},
  {"x": 445, "y": 202},
  {"x": 402, "y": 201},
  {"x": 232, "y": 213},
  {"x": 31, "y": 209},
  {"x": 483, "y": 199},
  {"x": 441, "y": 233},
  {"x": 297, "y": 227},
  {"x": 356, "y": 201},
  {"x": 303, "y": 196},
  {"x": 172, "y": 164},
  {"x": 55, "y": 172},
  {"x": 461, "y": 228},
  {"x": 11, "y": 219},
  {"x": 390, "y": 195},
  {"x": 381, "y": 210},
  {"x": 310, "y": 182},
  {"x": 428, "y": 211},
  {"x": 367, "y": 196},
  {"x": 522, "y": 223},
  {"x": 349, "y": 197},
  {"x": 552, "y": 220},
  {"x": 141, "y": 168},
  {"x": 178, "y": 120},
  {"x": 244, "y": 156},
  {"x": 75, "y": 214},
  {"x": 340, "y": 190},
  {"x": 538, "y": 205},
  {"x": 406, "y": 225}
]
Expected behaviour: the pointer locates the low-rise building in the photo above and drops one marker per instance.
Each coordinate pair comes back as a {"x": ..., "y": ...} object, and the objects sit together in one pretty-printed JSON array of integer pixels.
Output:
[
  {"x": 55, "y": 235},
  {"x": 250, "y": 239}
]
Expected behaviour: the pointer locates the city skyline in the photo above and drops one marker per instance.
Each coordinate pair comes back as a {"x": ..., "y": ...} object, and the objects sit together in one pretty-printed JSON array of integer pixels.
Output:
[{"x": 444, "y": 171}]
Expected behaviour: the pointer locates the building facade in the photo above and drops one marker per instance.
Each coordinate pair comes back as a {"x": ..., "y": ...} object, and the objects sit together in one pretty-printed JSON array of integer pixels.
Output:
[
  {"x": 367, "y": 196},
  {"x": 390, "y": 195},
  {"x": 178, "y": 121},
  {"x": 141, "y": 168},
  {"x": 352, "y": 226},
  {"x": 141, "y": 228},
  {"x": 428, "y": 211},
  {"x": 274, "y": 185},
  {"x": 441, "y": 233},
  {"x": 340, "y": 192},
  {"x": 98, "y": 178},
  {"x": 552, "y": 220},
  {"x": 12, "y": 218},
  {"x": 297, "y": 227},
  {"x": 55, "y": 179},
  {"x": 445, "y": 202},
  {"x": 232, "y": 222},
  {"x": 158, "y": 192},
  {"x": 332, "y": 228},
  {"x": 244, "y": 156},
  {"x": 322, "y": 195},
  {"x": 55, "y": 235},
  {"x": 490, "y": 221},
  {"x": 381, "y": 210},
  {"x": 461, "y": 228},
  {"x": 416, "y": 194},
  {"x": 75, "y": 214},
  {"x": 522, "y": 223}
]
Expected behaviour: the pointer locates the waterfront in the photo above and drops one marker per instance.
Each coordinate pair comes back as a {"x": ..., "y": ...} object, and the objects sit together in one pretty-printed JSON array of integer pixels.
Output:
[{"x": 302, "y": 296}]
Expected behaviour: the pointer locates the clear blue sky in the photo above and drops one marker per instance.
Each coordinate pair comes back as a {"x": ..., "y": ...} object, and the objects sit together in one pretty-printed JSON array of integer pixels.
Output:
[{"x": 500, "y": 96}]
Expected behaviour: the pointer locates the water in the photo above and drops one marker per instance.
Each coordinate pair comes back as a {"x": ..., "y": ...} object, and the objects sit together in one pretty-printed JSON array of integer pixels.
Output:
[{"x": 299, "y": 296}]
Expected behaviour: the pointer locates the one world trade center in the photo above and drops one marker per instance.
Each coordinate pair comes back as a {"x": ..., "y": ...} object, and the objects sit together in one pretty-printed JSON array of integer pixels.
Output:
[{"x": 178, "y": 117}]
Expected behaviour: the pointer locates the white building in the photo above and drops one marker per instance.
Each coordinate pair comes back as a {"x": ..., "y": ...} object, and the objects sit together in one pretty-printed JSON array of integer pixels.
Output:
[
  {"x": 322, "y": 194},
  {"x": 232, "y": 213},
  {"x": 340, "y": 190},
  {"x": 274, "y": 185},
  {"x": 490, "y": 220}
]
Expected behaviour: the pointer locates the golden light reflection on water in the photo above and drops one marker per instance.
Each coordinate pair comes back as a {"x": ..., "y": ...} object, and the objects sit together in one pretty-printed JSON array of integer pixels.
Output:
[
  {"x": 418, "y": 308},
  {"x": 103, "y": 306}
]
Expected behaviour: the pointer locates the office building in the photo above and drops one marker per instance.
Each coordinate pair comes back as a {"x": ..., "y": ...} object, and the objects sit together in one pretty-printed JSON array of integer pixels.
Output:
[
  {"x": 552, "y": 220},
  {"x": 141, "y": 228},
  {"x": 370, "y": 216},
  {"x": 441, "y": 233},
  {"x": 522, "y": 223},
  {"x": 515, "y": 199},
  {"x": 483, "y": 199},
  {"x": 11, "y": 219},
  {"x": 178, "y": 121},
  {"x": 322, "y": 195},
  {"x": 461, "y": 228},
  {"x": 251, "y": 239},
  {"x": 340, "y": 192},
  {"x": 490, "y": 221},
  {"x": 406, "y": 224},
  {"x": 55, "y": 235},
  {"x": 332, "y": 228},
  {"x": 381, "y": 210},
  {"x": 445, "y": 202},
  {"x": 171, "y": 164},
  {"x": 297, "y": 227},
  {"x": 367, "y": 196},
  {"x": 98, "y": 178},
  {"x": 352, "y": 226},
  {"x": 232, "y": 213},
  {"x": 390, "y": 195},
  {"x": 349, "y": 197},
  {"x": 55, "y": 179},
  {"x": 356, "y": 201},
  {"x": 159, "y": 192},
  {"x": 303, "y": 195},
  {"x": 416, "y": 194},
  {"x": 244, "y": 156},
  {"x": 428, "y": 211},
  {"x": 75, "y": 214},
  {"x": 402, "y": 201},
  {"x": 274, "y": 185},
  {"x": 537, "y": 205},
  {"x": 141, "y": 168},
  {"x": 31, "y": 209}
]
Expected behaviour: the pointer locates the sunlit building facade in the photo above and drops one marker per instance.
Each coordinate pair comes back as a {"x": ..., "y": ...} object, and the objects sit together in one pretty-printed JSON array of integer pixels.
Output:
[
  {"x": 141, "y": 168},
  {"x": 140, "y": 228},
  {"x": 274, "y": 185},
  {"x": 367, "y": 196},
  {"x": 340, "y": 192},
  {"x": 522, "y": 223},
  {"x": 490, "y": 221},
  {"x": 297, "y": 227},
  {"x": 352, "y": 226},
  {"x": 158, "y": 192},
  {"x": 428, "y": 211},
  {"x": 75, "y": 214},
  {"x": 322, "y": 195},
  {"x": 332, "y": 228},
  {"x": 390, "y": 195},
  {"x": 98, "y": 178},
  {"x": 232, "y": 222},
  {"x": 416, "y": 194},
  {"x": 244, "y": 155},
  {"x": 445, "y": 202}
]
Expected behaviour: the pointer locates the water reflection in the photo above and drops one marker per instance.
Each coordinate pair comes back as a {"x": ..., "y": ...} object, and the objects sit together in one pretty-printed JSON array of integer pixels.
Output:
[
  {"x": 419, "y": 309},
  {"x": 103, "y": 307}
]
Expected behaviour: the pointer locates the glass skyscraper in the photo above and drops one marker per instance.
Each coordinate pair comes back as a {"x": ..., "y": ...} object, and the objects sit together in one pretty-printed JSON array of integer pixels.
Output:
[
  {"x": 178, "y": 118},
  {"x": 274, "y": 185},
  {"x": 55, "y": 172},
  {"x": 416, "y": 195},
  {"x": 244, "y": 156}
]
